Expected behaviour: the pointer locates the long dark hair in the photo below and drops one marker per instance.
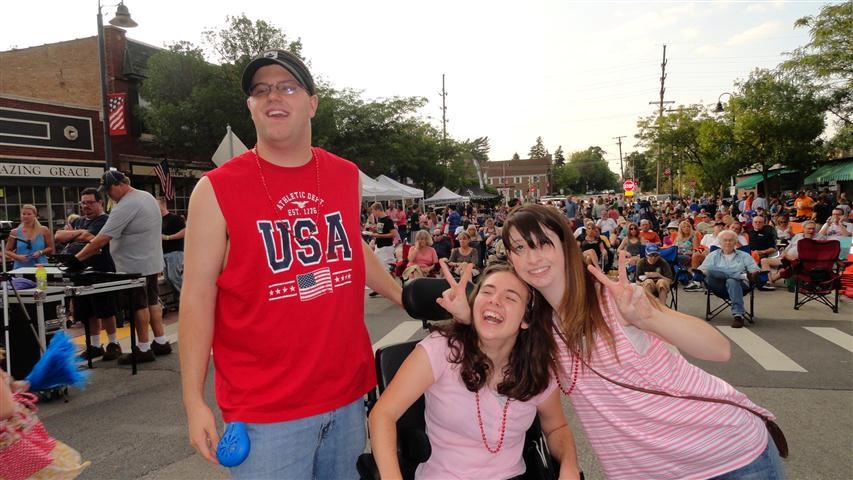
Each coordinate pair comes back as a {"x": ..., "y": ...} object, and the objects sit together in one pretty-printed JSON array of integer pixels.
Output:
[
  {"x": 531, "y": 362},
  {"x": 580, "y": 314}
]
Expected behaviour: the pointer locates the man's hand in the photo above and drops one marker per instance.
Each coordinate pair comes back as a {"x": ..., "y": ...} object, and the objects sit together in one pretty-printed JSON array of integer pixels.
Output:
[{"x": 202, "y": 431}]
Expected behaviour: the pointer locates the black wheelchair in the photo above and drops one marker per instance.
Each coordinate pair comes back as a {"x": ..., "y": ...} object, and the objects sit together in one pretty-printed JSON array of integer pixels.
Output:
[{"x": 413, "y": 447}]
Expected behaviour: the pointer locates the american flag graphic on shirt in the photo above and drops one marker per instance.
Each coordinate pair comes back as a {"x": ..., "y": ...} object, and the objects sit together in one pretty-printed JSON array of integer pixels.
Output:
[{"x": 314, "y": 284}]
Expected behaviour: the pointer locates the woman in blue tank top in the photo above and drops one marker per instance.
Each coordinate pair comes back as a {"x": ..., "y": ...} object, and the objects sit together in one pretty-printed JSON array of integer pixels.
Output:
[{"x": 31, "y": 242}]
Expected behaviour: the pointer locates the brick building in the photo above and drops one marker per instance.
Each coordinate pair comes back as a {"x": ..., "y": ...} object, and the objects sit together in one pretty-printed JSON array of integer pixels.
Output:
[
  {"x": 51, "y": 141},
  {"x": 524, "y": 178}
]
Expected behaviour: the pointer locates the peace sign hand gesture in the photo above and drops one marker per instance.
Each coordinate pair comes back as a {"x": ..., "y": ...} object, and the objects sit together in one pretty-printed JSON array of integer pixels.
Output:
[
  {"x": 635, "y": 306},
  {"x": 455, "y": 298}
]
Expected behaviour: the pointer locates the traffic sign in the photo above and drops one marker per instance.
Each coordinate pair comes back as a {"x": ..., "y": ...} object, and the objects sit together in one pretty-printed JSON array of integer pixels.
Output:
[
  {"x": 629, "y": 193},
  {"x": 628, "y": 185}
]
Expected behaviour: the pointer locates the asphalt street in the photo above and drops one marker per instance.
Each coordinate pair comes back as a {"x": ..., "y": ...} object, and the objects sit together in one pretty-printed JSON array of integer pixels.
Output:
[{"x": 795, "y": 363}]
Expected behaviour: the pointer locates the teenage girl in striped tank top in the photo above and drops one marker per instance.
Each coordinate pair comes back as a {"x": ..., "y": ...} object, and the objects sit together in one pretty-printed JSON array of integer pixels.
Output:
[{"x": 614, "y": 329}]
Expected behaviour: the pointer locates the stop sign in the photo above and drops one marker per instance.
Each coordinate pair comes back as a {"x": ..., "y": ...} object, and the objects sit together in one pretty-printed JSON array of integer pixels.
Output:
[{"x": 628, "y": 185}]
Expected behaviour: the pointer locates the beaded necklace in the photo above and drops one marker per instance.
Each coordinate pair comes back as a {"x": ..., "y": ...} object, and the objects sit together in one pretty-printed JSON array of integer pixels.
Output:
[
  {"x": 574, "y": 377},
  {"x": 269, "y": 197},
  {"x": 483, "y": 431}
]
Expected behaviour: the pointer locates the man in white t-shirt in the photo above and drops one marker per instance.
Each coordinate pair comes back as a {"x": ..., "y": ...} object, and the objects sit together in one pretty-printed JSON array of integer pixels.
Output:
[{"x": 835, "y": 226}]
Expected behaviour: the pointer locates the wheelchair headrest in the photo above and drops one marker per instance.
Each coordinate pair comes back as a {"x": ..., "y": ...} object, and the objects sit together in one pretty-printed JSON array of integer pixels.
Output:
[{"x": 419, "y": 297}]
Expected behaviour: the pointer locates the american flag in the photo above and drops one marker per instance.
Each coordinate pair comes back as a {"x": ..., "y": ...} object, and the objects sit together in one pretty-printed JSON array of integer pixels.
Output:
[
  {"x": 162, "y": 172},
  {"x": 314, "y": 284},
  {"x": 117, "y": 103}
]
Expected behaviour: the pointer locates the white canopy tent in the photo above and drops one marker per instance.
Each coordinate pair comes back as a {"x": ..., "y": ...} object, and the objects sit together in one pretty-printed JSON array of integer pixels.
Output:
[
  {"x": 371, "y": 190},
  {"x": 444, "y": 196},
  {"x": 406, "y": 192}
]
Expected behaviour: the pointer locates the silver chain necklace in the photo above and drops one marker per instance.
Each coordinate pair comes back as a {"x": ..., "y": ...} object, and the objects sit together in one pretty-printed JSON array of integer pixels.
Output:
[{"x": 269, "y": 197}]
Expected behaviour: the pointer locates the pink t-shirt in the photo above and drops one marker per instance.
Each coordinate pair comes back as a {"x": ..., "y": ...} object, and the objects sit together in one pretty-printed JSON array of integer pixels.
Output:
[
  {"x": 425, "y": 257},
  {"x": 641, "y": 435},
  {"x": 453, "y": 430}
]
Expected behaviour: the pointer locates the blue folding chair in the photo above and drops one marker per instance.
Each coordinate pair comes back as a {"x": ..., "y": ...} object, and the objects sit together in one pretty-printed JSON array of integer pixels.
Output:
[{"x": 670, "y": 254}]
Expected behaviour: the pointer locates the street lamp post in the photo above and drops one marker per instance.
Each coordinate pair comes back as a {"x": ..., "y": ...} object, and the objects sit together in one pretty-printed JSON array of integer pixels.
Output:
[
  {"x": 122, "y": 19},
  {"x": 719, "y": 107}
]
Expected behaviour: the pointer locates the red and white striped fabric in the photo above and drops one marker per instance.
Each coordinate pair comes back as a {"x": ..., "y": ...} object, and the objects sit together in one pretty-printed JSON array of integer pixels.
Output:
[
  {"x": 641, "y": 435},
  {"x": 118, "y": 112}
]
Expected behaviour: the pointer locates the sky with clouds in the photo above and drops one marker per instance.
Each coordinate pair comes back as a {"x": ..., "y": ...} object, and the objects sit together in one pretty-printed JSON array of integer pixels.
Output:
[{"x": 576, "y": 73}]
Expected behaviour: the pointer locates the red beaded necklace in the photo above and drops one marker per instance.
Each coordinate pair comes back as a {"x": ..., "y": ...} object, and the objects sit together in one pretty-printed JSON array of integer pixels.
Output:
[
  {"x": 483, "y": 431},
  {"x": 574, "y": 377}
]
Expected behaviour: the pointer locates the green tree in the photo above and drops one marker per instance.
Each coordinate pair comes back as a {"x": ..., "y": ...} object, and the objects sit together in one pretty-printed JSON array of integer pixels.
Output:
[
  {"x": 775, "y": 121},
  {"x": 593, "y": 170},
  {"x": 568, "y": 179},
  {"x": 538, "y": 150},
  {"x": 559, "y": 156},
  {"x": 515, "y": 156},
  {"x": 189, "y": 103},
  {"x": 828, "y": 58},
  {"x": 241, "y": 39}
]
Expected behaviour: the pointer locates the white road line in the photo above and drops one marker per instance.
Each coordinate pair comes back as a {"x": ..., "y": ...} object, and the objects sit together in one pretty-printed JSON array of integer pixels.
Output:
[
  {"x": 762, "y": 352},
  {"x": 401, "y": 333},
  {"x": 834, "y": 335}
]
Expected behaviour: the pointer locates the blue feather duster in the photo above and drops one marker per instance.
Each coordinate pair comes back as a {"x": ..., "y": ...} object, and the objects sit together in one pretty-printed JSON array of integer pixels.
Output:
[{"x": 58, "y": 366}]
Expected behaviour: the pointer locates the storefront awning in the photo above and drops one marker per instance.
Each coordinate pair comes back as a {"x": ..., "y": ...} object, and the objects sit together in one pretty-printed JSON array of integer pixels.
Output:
[
  {"x": 834, "y": 172},
  {"x": 756, "y": 178}
]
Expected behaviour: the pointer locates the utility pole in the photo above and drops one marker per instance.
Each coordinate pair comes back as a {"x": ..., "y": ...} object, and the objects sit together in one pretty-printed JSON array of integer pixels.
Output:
[
  {"x": 443, "y": 115},
  {"x": 619, "y": 142},
  {"x": 660, "y": 104}
]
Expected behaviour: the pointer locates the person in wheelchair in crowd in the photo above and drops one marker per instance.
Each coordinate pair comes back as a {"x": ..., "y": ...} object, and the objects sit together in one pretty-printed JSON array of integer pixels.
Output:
[
  {"x": 729, "y": 271},
  {"x": 501, "y": 366},
  {"x": 422, "y": 257}
]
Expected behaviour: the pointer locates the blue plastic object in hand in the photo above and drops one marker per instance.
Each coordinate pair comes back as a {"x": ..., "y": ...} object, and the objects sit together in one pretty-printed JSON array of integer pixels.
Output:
[{"x": 234, "y": 445}]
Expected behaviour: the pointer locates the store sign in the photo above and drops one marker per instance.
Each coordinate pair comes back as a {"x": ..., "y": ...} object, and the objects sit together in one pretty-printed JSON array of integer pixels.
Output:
[{"x": 52, "y": 171}]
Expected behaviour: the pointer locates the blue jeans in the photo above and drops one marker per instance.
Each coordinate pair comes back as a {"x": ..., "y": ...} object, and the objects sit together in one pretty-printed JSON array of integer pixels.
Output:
[
  {"x": 728, "y": 285},
  {"x": 324, "y": 446},
  {"x": 175, "y": 269},
  {"x": 767, "y": 466}
]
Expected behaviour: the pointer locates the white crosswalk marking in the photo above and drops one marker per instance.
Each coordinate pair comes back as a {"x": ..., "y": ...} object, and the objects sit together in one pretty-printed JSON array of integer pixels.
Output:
[
  {"x": 401, "y": 333},
  {"x": 765, "y": 354},
  {"x": 834, "y": 335}
]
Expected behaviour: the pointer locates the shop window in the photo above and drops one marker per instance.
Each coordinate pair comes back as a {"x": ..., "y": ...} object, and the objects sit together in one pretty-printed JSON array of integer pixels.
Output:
[{"x": 26, "y": 195}]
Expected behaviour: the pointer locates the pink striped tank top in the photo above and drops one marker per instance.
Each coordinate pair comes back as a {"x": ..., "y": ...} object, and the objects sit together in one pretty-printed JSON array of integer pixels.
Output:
[{"x": 640, "y": 435}]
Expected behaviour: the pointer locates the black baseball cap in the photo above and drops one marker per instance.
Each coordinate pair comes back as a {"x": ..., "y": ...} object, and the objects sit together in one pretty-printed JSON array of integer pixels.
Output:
[
  {"x": 110, "y": 178},
  {"x": 289, "y": 61}
]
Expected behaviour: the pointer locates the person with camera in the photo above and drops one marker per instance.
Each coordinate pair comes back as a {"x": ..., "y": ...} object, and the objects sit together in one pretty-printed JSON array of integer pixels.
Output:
[{"x": 835, "y": 226}]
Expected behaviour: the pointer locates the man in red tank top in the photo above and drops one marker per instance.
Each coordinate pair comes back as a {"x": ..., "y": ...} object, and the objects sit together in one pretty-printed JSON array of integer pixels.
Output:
[{"x": 274, "y": 276}]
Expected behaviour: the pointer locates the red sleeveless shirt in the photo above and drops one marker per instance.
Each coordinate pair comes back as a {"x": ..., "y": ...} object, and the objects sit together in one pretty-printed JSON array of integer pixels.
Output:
[{"x": 289, "y": 337}]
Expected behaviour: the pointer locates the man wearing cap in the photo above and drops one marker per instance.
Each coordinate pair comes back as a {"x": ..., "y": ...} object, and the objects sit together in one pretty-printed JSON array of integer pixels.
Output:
[
  {"x": 655, "y": 274},
  {"x": 133, "y": 234},
  {"x": 276, "y": 268}
]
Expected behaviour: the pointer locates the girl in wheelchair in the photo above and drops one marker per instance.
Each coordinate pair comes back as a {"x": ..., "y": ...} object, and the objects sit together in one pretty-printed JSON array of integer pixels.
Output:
[{"x": 484, "y": 383}]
